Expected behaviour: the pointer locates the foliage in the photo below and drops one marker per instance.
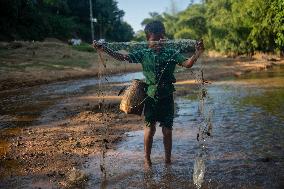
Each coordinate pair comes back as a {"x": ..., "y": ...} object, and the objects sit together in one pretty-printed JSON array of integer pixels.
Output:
[
  {"x": 193, "y": 16},
  {"x": 123, "y": 32},
  {"x": 153, "y": 16},
  {"x": 85, "y": 47},
  {"x": 240, "y": 27},
  {"x": 63, "y": 19},
  {"x": 140, "y": 36}
]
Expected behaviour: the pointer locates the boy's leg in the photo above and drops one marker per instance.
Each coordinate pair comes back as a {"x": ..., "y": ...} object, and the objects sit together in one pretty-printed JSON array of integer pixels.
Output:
[
  {"x": 167, "y": 138},
  {"x": 149, "y": 129},
  {"x": 166, "y": 117},
  {"x": 149, "y": 132}
]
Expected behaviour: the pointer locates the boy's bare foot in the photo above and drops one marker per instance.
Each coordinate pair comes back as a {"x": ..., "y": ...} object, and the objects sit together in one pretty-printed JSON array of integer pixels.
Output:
[
  {"x": 147, "y": 164},
  {"x": 168, "y": 162}
]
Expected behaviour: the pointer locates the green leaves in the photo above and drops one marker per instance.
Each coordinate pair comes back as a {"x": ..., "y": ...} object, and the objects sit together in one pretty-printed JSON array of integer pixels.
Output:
[
  {"x": 247, "y": 24},
  {"x": 63, "y": 19},
  {"x": 242, "y": 26}
]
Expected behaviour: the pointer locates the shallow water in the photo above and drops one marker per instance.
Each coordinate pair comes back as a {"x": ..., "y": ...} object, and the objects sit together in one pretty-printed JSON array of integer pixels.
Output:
[
  {"x": 42, "y": 104},
  {"x": 244, "y": 151}
]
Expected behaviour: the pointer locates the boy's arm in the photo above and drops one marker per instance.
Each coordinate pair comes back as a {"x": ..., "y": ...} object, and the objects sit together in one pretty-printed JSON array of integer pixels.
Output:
[
  {"x": 109, "y": 51},
  {"x": 199, "y": 50}
]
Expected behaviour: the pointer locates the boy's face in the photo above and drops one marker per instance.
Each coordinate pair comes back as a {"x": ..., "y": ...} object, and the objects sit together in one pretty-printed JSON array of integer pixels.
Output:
[{"x": 153, "y": 39}]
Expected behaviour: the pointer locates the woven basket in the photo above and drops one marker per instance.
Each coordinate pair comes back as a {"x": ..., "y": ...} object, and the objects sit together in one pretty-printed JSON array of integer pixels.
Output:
[{"x": 133, "y": 99}]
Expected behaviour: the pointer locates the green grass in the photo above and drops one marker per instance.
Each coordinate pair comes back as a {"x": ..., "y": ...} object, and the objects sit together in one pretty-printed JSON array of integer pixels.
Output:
[
  {"x": 71, "y": 63},
  {"x": 48, "y": 64},
  {"x": 84, "y": 47}
]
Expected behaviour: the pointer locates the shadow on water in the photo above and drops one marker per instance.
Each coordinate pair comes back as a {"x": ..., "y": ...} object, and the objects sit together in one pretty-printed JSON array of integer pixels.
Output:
[{"x": 245, "y": 151}]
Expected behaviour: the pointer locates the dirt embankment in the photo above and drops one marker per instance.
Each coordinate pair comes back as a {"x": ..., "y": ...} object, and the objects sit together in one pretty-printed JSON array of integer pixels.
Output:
[
  {"x": 24, "y": 64},
  {"x": 45, "y": 154}
]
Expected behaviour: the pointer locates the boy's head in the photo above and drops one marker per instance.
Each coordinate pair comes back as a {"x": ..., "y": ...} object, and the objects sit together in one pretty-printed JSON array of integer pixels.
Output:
[{"x": 154, "y": 31}]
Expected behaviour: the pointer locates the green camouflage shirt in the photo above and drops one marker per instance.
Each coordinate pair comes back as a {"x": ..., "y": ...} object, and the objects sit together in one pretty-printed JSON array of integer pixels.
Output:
[{"x": 154, "y": 64}]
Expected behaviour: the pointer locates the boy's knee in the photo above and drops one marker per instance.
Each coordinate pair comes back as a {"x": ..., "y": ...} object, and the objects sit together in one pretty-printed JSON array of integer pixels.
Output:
[{"x": 151, "y": 127}]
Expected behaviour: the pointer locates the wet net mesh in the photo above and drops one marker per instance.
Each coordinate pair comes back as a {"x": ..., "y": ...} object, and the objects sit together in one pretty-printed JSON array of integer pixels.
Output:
[
  {"x": 181, "y": 45},
  {"x": 187, "y": 48}
]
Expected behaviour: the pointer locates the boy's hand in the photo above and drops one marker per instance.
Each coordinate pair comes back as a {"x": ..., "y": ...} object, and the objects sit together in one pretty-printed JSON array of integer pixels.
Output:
[{"x": 199, "y": 47}]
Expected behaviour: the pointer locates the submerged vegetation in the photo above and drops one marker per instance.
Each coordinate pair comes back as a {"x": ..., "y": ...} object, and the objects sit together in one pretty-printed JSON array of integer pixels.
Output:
[{"x": 264, "y": 101}]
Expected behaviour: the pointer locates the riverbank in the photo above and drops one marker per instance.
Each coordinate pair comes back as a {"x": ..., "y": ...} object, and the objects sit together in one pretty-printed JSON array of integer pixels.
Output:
[
  {"x": 40, "y": 154},
  {"x": 26, "y": 64}
]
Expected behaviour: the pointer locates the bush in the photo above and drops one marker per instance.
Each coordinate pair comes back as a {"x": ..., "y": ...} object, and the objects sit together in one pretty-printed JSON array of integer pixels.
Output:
[{"x": 85, "y": 47}]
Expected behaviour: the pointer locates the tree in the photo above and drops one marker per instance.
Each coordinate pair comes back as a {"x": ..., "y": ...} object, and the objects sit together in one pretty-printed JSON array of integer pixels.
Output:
[
  {"x": 267, "y": 19},
  {"x": 170, "y": 21},
  {"x": 38, "y": 19},
  {"x": 140, "y": 36},
  {"x": 153, "y": 16},
  {"x": 191, "y": 22}
]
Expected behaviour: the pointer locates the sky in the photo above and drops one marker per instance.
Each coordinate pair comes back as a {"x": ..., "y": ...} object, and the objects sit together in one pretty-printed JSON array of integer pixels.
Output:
[{"x": 137, "y": 10}]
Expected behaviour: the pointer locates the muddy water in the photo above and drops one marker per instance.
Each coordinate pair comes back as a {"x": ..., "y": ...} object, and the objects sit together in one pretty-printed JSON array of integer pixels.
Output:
[
  {"x": 244, "y": 151},
  {"x": 42, "y": 104}
]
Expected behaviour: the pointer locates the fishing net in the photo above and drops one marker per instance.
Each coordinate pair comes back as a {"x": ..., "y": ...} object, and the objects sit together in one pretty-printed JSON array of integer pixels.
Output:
[
  {"x": 181, "y": 46},
  {"x": 205, "y": 126}
]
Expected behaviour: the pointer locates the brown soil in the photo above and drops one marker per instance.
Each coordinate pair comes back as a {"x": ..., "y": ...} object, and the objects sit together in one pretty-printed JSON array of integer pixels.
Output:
[
  {"x": 49, "y": 152},
  {"x": 44, "y": 155},
  {"x": 24, "y": 64}
]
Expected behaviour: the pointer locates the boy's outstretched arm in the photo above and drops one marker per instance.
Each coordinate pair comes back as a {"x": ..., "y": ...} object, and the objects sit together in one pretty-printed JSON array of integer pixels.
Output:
[
  {"x": 199, "y": 48},
  {"x": 118, "y": 56}
]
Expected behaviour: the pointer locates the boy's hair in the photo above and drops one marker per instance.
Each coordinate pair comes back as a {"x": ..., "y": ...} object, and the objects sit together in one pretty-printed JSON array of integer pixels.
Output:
[{"x": 155, "y": 27}]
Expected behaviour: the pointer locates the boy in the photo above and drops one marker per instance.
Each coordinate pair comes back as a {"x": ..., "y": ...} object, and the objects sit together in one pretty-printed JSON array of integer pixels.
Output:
[{"x": 158, "y": 65}]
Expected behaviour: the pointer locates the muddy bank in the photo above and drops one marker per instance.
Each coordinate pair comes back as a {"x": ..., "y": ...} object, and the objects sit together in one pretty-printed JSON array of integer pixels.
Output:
[
  {"x": 47, "y": 153},
  {"x": 222, "y": 68},
  {"x": 44, "y": 153},
  {"x": 25, "y": 64}
]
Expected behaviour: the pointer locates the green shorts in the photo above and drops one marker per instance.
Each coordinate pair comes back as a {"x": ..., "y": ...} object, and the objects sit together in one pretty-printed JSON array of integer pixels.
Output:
[{"x": 161, "y": 110}]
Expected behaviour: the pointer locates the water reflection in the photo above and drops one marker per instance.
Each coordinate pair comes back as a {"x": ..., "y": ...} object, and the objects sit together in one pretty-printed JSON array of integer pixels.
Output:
[
  {"x": 246, "y": 150},
  {"x": 199, "y": 170},
  {"x": 24, "y": 106}
]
